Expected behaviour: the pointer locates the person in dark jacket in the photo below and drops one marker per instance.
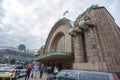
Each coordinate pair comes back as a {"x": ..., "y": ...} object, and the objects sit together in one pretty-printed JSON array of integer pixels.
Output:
[{"x": 42, "y": 70}]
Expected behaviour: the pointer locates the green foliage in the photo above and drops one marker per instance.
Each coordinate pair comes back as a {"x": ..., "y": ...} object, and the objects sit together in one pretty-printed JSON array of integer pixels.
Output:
[{"x": 13, "y": 61}]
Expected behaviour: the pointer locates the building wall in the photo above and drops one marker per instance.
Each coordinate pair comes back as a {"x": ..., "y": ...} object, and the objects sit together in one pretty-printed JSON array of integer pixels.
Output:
[
  {"x": 102, "y": 42},
  {"x": 40, "y": 51},
  {"x": 61, "y": 27},
  {"x": 18, "y": 55},
  {"x": 96, "y": 41}
]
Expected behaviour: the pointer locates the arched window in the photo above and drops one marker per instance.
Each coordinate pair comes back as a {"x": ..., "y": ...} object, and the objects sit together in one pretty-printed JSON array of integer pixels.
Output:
[
  {"x": 61, "y": 44},
  {"x": 58, "y": 43}
]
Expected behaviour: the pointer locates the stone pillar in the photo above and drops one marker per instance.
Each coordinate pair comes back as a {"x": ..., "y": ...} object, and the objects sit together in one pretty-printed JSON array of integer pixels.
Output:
[
  {"x": 78, "y": 48},
  {"x": 91, "y": 47}
]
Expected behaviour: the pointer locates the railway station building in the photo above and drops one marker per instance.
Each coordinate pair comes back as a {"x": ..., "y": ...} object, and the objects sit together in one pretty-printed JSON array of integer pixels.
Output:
[{"x": 91, "y": 42}]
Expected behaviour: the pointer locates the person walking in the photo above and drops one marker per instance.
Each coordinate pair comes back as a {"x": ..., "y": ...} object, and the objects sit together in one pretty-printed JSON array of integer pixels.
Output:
[
  {"x": 55, "y": 70},
  {"x": 29, "y": 69},
  {"x": 42, "y": 70},
  {"x": 39, "y": 68},
  {"x": 49, "y": 70},
  {"x": 35, "y": 70}
]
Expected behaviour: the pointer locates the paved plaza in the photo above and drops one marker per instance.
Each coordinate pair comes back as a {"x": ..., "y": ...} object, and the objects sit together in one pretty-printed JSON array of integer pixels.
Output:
[{"x": 37, "y": 77}]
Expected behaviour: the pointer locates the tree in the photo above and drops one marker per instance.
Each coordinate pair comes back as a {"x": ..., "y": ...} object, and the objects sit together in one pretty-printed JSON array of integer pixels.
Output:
[{"x": 13, "y": 61}]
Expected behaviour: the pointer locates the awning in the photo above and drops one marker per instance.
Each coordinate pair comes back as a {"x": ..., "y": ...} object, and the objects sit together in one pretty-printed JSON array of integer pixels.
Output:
[{"x": 53, "y": 55}]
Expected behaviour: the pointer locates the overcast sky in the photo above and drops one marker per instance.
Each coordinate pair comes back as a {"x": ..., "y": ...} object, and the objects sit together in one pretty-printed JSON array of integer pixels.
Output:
[{"x": 30, "y": 21}]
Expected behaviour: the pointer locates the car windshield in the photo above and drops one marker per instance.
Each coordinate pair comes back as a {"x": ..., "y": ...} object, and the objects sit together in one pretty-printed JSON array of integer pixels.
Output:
[
  {"x": 91, "y": 76},
  {"x": 62, "y": 73}
]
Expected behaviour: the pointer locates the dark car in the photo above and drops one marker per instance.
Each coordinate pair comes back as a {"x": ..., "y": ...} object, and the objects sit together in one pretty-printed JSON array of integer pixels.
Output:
[{"x": 83, "y": 75}]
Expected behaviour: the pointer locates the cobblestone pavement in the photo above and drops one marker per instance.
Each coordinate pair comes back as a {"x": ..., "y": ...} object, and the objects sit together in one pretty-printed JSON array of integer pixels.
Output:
[{"x": 44, "y": 77}]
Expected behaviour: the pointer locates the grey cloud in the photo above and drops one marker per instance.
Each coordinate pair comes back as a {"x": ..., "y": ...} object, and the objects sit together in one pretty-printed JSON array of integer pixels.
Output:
[
  {"x": 12, "y": 40},
  {"x": 55, "y": 5},
  {"x": 32, "y": 27},
  {"x": 114, "y": 11},
  {"x": 26, "y": 2},
  {"x": 2, "y": 11},
  {"x": 41, "y": 14}
]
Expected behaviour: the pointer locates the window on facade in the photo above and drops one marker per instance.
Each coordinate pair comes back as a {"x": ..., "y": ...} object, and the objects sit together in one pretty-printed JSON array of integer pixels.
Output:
[{"x": 61, "y": 44}]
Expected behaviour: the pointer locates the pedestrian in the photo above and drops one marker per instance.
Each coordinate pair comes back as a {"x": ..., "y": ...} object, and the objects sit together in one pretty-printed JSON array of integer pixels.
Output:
[
  {"x": 35, "y": 70},
  {"x": 42, "y": 70},
  {"x": 29, "y": 69},
  {"x": 32, "y": 71},
  {"x": 49, "y": 69},
  {"x": 39, "y": 67},
  {"x": 55, "y": 70}
]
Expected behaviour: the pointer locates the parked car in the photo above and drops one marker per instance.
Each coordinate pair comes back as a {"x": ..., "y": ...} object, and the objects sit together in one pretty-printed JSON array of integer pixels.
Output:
[
  {"x": 5, "y": 72},
  {"x": 83, "y": 75},
  {"x": 13, "y": 71},
  {"x": 19, "y": 70}
]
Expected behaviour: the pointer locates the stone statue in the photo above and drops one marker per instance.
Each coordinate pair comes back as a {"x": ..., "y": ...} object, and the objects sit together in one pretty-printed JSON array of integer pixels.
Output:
[{"x": 86, "y": 23}]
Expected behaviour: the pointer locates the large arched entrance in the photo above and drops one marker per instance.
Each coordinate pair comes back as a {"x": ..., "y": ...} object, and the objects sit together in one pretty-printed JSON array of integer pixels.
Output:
[
  {"x": 58, "y": 47},
  {"x": 58, "y": 43}
]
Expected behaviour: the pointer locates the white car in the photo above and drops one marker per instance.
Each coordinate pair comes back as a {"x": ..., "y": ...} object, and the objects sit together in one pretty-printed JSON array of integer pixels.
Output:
[
  {"x": 19, "y": 70},
  {"x": 12, "y": 71}
]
